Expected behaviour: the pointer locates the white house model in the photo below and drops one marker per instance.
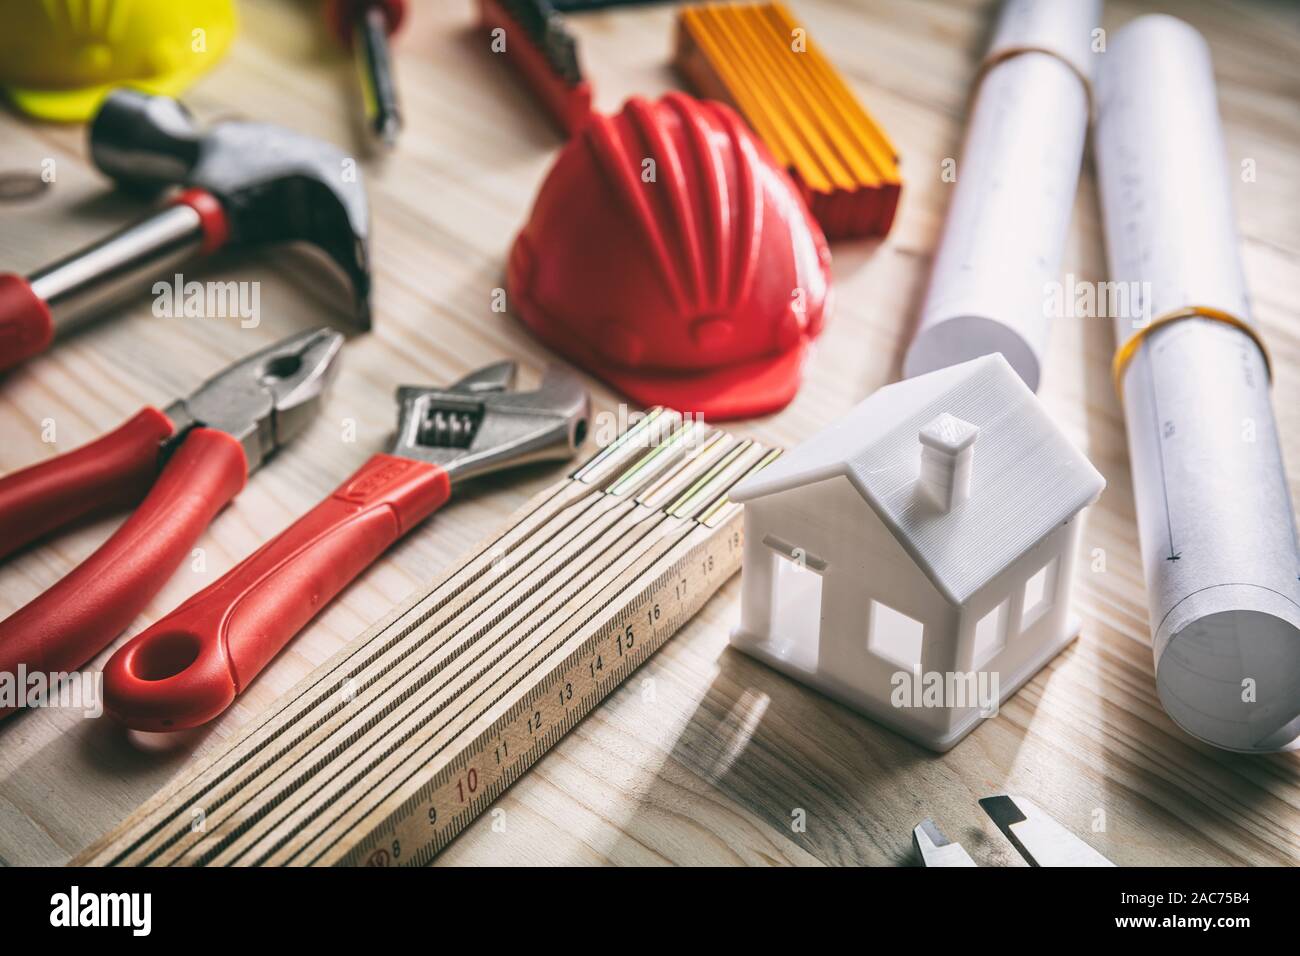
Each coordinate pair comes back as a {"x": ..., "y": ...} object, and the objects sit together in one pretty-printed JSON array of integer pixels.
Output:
[{"x": 926, "y": 540}]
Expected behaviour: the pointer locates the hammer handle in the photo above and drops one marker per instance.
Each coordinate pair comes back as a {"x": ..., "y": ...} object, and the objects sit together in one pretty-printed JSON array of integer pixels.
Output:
[{"x": 73, "y": 290}]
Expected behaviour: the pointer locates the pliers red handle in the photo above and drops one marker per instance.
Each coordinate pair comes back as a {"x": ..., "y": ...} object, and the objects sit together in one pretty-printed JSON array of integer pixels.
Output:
[
  {"x": 190, "y": 665},
  {"x": 182, "y": 466},
  {"x": 112, "y": 472}
]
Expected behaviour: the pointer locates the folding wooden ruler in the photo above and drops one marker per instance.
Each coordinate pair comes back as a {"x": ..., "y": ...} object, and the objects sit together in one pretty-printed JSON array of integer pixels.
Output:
[
  {"x": 384, "y": 753},
  {"x": 759, "y": 59}
]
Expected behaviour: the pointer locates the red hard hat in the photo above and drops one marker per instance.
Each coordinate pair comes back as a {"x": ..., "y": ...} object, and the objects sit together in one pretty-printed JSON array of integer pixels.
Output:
[{"x": 669, "y": 255}]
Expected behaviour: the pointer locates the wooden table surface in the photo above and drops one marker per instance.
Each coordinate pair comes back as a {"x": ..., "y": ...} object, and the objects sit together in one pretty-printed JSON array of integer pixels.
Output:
[{"x": 730, "y": 762}]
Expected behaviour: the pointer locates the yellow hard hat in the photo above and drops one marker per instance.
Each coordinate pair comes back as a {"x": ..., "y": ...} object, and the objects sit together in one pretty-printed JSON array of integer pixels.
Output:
[{"x": 59, "y": 58}]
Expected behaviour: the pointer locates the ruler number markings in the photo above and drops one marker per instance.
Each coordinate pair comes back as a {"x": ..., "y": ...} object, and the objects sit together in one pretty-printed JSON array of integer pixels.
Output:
[{"x": 551, "y": 709}]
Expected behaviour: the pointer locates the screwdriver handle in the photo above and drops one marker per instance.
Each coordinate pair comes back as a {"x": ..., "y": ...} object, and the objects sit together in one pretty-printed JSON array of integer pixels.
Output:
[
  {"x": 191, "y": 665},
  {"x": 79, "y": 287},
  {"x": 76, "y": 618},
  {"x": 114, "y": 471},
  {"x": 343, "y": 16}
]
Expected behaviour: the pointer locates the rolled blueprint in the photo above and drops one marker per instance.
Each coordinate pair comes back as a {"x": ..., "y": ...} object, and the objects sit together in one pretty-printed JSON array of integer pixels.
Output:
[
  {"x": 1215, "y": 520},
  {"x": 1015, "y": 184}
]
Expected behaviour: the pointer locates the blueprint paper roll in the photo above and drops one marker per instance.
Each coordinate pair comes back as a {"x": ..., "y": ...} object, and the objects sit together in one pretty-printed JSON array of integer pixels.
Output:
[
  {"x": 1010, "y": 211},
  {"x": 1215, "y": 518}
]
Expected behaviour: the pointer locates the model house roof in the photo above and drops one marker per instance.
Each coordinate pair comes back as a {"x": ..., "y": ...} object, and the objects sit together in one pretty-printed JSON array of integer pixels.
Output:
[{"x": 1026, "y": 477}]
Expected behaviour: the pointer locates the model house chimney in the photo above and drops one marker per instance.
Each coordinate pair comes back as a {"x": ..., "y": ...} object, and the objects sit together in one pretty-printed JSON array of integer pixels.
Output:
[{"x": 947, "y": 453}]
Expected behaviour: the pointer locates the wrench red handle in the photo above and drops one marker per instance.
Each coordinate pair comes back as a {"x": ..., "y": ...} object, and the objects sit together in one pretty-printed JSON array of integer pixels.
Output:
[
  {"x": 114, "y": 471},
  {"x": 26, "y": 326},
  {"x": 189, "y": 667},
  {"x": 81, "y": 614}
]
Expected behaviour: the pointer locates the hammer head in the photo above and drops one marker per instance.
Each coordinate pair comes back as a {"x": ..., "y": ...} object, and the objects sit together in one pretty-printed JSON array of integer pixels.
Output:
[{"x": 274, "y": 184}]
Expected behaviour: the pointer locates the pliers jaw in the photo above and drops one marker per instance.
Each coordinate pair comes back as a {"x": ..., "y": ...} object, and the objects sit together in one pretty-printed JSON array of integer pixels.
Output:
[
  {"x": 266, "y": 399},
  {"x": 481, "y": 424}
]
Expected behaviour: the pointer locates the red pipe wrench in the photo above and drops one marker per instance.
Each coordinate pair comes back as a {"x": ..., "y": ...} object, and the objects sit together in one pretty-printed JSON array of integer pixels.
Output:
[
  {"x": 189, "y": 666},
  {"x": 185, "y": 462}
]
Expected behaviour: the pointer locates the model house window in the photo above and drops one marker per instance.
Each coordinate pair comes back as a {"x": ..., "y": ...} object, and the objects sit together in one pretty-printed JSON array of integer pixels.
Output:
[
  {"x": 796, "y": 601},
  {"x": 990, "y": 634},
  {"x": 895, "y": 637},
  {"x": 1040, "y": 590}
]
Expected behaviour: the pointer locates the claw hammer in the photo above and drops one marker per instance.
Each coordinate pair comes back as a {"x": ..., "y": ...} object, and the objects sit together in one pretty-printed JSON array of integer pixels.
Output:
[{"x": 244, "y": 184}]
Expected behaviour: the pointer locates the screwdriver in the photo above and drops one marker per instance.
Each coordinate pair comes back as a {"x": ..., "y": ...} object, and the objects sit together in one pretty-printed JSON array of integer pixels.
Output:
[{"x": 364, "y": 26}]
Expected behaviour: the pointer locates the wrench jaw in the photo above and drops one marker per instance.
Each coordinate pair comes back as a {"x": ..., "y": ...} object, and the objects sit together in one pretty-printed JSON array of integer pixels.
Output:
[
  {"x": 267, "y": 399},
  {"x": 481, "y": 425}
]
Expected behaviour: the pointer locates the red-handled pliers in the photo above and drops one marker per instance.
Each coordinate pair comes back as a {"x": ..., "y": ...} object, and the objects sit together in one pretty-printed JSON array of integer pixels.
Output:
[
  {"x": 190, "y": 665},
  {"x": 185, "y": 462}
]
